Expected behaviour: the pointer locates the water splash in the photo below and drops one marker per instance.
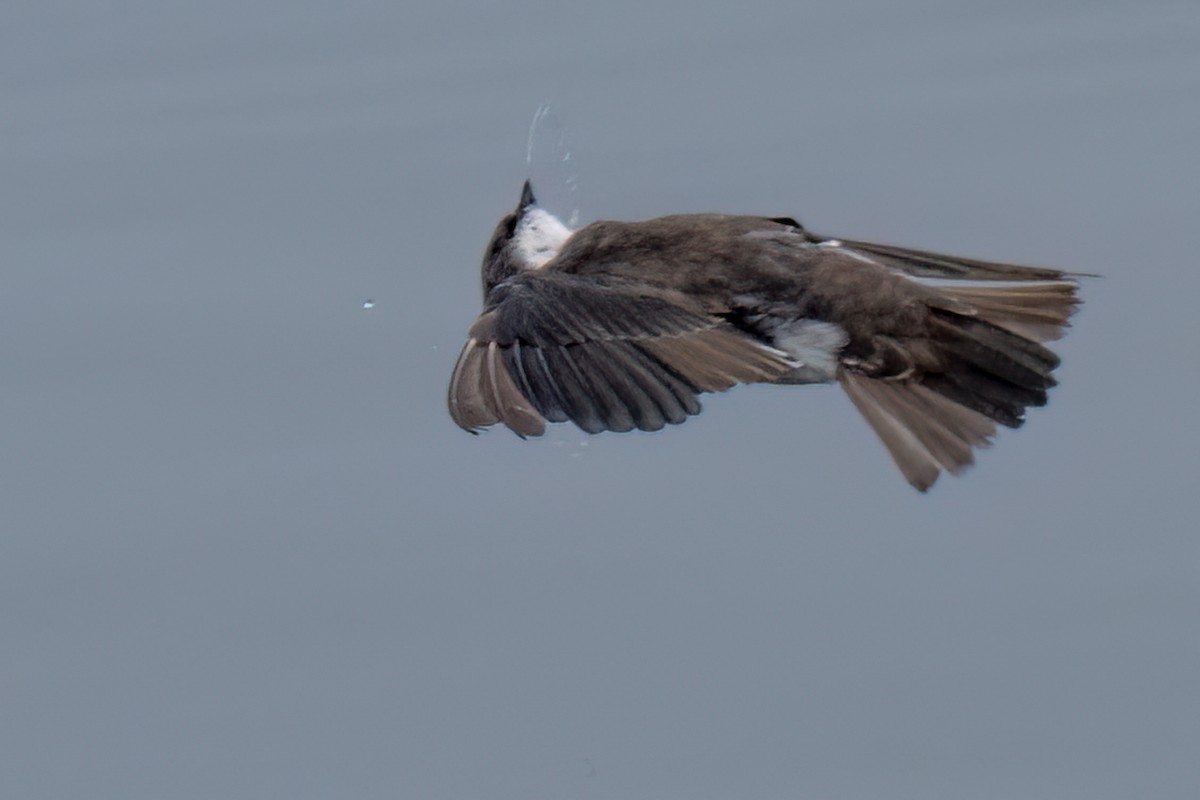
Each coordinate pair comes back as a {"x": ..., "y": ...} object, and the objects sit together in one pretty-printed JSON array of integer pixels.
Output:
[
  {"x": 542, "y": 112},
  {"x": 550, "y": 166}
]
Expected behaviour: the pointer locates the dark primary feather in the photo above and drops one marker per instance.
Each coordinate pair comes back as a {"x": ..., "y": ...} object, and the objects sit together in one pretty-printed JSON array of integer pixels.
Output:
[
  {"x": 604, "y": 354},
  {"x": 922, "y": 263}
]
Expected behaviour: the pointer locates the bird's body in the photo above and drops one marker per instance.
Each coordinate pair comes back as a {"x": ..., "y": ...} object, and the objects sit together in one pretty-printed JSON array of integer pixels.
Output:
[{"x": 620, "y": 325}]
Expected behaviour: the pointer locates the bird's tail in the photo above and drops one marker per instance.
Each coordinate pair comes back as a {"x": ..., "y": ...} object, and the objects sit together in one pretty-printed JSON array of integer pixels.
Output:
[{"x": 991, "y": 366}]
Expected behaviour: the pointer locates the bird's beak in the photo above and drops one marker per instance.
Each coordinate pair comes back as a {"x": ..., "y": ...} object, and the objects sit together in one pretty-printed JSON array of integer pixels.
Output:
[{"x": 527, "y": 198}]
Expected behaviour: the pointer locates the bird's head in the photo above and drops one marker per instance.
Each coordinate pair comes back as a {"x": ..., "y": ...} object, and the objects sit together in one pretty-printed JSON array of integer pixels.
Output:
[{"x": 525, "y": 238}]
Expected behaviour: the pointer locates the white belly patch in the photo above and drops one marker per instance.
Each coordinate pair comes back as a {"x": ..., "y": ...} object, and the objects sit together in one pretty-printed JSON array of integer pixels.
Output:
[{"x": 814, "y": 344}]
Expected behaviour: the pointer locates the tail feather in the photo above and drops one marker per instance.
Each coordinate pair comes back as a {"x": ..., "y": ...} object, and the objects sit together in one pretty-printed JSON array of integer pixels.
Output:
[
  {"x": 996, "y": 399},
  {"x": 996, "y": 349},
  {"x": 989, "y": 369},
  {"x": 987, "y": 365},
  {"x": 1038, "y": 310},
  {"x": 924, "y": 432}
]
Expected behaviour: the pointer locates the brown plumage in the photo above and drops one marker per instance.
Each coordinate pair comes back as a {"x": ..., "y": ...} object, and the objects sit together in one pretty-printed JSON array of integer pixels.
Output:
[{"x": 620, "y": 326}]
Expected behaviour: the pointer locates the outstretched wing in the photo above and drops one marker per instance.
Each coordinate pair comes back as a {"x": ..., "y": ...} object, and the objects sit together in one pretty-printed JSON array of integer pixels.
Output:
[
  {"x": 984, "y": 362},
  {"x": 607, "y": 356},
  {"x": 924, "y": 264}
]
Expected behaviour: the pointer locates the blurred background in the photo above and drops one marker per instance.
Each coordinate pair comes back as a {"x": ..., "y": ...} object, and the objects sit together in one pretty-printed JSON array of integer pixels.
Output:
[{"x": 245, "y": 553}]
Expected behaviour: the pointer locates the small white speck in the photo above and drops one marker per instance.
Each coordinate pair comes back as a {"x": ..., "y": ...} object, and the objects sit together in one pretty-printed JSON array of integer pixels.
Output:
[{"x": 368, "y": 305}]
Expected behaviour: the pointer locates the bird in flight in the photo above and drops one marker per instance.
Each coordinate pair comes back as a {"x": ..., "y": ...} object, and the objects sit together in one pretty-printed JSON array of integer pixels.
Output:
[{"x": 619, "y": 326}]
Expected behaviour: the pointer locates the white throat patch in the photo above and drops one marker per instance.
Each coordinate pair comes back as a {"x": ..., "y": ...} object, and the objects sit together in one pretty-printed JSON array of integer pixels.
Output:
[{"x": 538, "y": 238}]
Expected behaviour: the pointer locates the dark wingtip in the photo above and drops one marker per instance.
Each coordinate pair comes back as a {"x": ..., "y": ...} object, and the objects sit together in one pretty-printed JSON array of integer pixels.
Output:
[{"x": 527, "y": 198}]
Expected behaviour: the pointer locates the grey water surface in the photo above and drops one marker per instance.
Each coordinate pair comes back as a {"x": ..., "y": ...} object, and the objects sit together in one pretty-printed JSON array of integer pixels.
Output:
[{"x": 244, "y": 553}]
